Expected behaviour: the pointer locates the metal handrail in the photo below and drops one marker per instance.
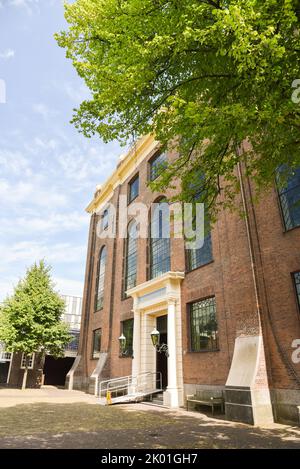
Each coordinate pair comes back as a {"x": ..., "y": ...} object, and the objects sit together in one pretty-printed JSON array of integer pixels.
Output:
[{"x": 140, "y": 383}]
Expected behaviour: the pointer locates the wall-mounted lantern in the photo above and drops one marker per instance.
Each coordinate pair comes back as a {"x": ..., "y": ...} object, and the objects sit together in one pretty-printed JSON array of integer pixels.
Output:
[
  {"x": 160, "y": 348},
  {"x": 122, "y": 342}
]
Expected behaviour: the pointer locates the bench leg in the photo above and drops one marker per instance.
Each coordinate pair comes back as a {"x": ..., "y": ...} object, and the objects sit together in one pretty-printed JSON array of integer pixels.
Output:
[{"x": 212, "y": 410}]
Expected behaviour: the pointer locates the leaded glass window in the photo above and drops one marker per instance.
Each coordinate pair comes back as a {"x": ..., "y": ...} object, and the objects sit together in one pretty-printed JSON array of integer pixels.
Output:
[
  {"x": 289, "y": 197},
  {"x": 96, "y": 343},
  {"x": 99, "y": 296},
  {"x": 157, "y": 164},
  {"x": 133, "y": 189},
  {"x": 127, "y": 330},
  {"x": 203, "y": 325},
  {"x": 160, "y": 239},
  {"x": 201, "y": 256},
  {"x": 131, "y": 257},
  {"x": 297, "y": 286},
  {"x": 196, "y": 257}
]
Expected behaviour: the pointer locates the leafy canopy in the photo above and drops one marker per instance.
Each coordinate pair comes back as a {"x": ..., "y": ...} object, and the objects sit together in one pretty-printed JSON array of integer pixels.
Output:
[
  {"x": 30, "y": 320},
  {"x": 205, "y": 75}
]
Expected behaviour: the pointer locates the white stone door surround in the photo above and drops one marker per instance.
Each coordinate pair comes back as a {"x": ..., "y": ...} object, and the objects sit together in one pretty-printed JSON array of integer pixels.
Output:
[{"x": 151, "y": 299}]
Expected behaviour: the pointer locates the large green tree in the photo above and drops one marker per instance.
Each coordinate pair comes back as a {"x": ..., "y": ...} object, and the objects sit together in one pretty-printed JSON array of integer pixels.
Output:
[
  {"x": 205, "y": 75},
  {"x": 31, "y": 319}
]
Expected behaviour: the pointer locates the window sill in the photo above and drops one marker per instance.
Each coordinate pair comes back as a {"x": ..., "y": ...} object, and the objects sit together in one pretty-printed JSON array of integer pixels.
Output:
[
  {"x": 204, "y": 351},
  {"x": 98, "y": 310},
  {"x": 287, "y": 230},
  {"x": 200, "y": 267}
]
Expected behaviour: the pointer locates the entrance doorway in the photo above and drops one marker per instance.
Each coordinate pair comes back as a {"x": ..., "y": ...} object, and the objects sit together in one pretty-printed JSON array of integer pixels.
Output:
[
  {"x": 161, "y": 358},
  {"x": 56, "y": 369},
  {"x": 4, "y": 369}
]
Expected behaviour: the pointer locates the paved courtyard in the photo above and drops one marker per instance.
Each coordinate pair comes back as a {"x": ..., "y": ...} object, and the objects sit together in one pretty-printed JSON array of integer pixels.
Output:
[{"x": 56, "y": 418}]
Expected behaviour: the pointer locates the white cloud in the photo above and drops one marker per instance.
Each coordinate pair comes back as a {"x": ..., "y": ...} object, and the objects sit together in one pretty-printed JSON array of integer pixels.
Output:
[
  {"x": 44, "y": 111},
  {"x": 50, "y": 223},
  {"x": 32, "y": 251},
  {"x": 14, "y": 163},
  {"x": 67, "y": 286},
  {"x": 30, "y": 6},
  {"x": 6, "y": 287},
  {"x": 76, "y": 93},
  {"x": 7, "y": 54},
  {"x": 28, "y": 193}
]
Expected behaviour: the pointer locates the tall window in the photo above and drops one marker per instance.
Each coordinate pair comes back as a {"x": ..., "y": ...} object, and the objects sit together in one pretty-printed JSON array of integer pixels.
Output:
[
  {"x": 133, "y": 189},
  {"x": 159, "y": 239},
  {"x": 203, "y": 325},
  {"x": 130, "y": 268},
  {"x": 157, "y": 164},
  {"x": 100, "y": 280},
  {"x": 289, "y": 197},
  {"x": 297, "y": 285},
  {"x": 127, "y": 330},
  {"x": 96, "y": 343},
  {"x": 199, "y": 256}
]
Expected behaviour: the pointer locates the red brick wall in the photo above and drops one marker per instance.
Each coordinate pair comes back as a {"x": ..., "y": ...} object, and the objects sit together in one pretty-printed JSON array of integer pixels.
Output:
[{"x": 229, "y": 277}]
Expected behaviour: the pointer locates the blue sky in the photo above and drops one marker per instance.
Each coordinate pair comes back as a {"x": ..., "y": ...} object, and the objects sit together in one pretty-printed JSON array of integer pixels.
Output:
[{"x": 48, "y": 171}]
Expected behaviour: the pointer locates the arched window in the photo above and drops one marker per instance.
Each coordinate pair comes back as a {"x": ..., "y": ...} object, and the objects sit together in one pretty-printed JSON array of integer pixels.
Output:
[
  {"x": 159, "y": 243},
  {"x": 100, "y": 280},
  {"x": 130, "y": 267}
]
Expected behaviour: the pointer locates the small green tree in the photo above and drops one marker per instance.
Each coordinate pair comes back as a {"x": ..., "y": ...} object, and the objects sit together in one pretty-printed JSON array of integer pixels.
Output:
[{"x": 30, "y": 320}]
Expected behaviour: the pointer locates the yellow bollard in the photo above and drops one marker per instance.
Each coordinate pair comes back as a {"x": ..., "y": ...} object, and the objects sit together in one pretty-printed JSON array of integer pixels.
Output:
[{"x": 108, "y": 398}]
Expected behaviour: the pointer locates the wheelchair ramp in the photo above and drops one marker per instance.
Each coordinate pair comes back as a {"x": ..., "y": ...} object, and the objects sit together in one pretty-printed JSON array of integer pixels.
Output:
[{"x": 129, "y": 388}]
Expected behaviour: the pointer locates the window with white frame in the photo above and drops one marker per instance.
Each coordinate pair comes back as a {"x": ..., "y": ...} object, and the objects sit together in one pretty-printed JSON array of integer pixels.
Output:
[{"x": 30, "y": 361}]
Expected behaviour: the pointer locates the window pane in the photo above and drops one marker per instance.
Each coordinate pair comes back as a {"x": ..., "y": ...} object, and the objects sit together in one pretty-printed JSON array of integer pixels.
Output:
[
  {"x": 160, "y": 240},
  {"x": 134, "y": 189},
  {"x": 198, "y": 257},
  {"x": 30, "y": 359},
  {"x": 105, "y": 219},
  {"x": 127, "y": 329},
  {"x": 201, "y": 256},
  {"x": 100, "y": 280},
  {"x": 297, "y": 285},
  {"x": 204, "y": 328},
  {"x": 290, "y": 200},
  {"x": 131, "y": 257},
  {"x": 96, "y": 343},
  {"x": 157, "y": 164}
]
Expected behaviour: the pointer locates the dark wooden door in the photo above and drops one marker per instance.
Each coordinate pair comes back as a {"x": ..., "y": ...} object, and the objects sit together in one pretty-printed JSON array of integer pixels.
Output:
[{"x": 161, "y": 358}]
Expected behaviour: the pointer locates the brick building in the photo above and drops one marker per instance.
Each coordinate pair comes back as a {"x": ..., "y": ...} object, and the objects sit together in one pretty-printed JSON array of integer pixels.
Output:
[
  {"x": 228, "y": 311},
  {"x": 55, "y": 370}
]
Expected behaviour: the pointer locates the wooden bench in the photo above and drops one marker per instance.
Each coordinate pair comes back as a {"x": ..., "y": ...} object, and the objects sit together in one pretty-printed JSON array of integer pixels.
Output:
[{"x": 211, "y": 398}]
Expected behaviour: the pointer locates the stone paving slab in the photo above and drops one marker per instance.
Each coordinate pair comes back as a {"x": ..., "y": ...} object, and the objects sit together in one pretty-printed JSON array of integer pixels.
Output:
[{"x": 10, "y": 397}]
